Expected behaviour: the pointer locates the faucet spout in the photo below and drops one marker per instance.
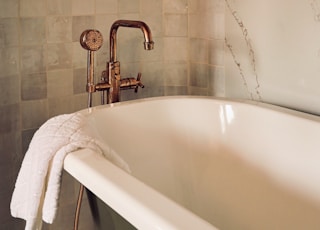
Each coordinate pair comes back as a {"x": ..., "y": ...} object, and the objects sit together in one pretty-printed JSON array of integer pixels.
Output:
[{"x": 148, "y": 42}]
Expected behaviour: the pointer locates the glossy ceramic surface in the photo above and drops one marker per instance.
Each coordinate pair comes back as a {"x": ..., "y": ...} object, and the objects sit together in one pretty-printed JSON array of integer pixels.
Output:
[{"x": 200, "y": 161}]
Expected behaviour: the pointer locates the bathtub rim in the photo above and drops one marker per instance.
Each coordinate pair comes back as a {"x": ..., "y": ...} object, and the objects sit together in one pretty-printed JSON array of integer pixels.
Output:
[
  {"x": 114, "y": 184},
  {"x": 263, "y": 105}
]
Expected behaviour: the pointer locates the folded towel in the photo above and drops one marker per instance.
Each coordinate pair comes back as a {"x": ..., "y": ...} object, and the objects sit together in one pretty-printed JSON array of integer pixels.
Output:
[{"x": 37, "y": 187}]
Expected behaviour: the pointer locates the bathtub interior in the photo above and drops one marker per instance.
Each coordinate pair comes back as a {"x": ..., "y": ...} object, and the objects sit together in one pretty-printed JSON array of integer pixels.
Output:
[{"x": 238, "y": 166}]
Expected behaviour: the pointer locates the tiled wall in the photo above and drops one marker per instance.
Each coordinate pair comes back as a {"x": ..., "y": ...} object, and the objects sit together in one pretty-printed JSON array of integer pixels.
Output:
[
  {"x": 269, "y": 52},
  {"x": 43, "y": 67},
  {"x": 206, "y": 47}
]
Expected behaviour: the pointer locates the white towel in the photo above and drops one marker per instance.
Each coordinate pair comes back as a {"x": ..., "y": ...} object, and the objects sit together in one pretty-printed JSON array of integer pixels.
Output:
[{"x": 37, "y": 187}]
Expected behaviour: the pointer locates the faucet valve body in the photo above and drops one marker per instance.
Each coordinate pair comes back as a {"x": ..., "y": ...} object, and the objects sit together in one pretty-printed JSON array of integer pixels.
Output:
[{"x": 113, "y": 82}]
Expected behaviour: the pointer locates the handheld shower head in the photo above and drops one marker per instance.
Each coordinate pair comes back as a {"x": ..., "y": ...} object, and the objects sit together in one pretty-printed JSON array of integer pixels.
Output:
[{"x": 91, "y": 40}]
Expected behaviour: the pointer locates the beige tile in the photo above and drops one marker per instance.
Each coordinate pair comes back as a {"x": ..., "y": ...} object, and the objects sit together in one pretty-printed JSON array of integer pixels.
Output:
[
  {"x": 199, "y": 75},
  {"x": 175, "y": 49},
  {"x": 79, "y": 56},
  {"x": 151, "y": 7},
  {"x": 176, "y": 25},
  {"x": 131, "y": 69},
  {"x": 176, "y": 90},
  {"x": 9, "y": 64},
  {"x": 33, "y": 59},
  {"x": 33, "y": 31},
  {"x": 194, "y": 28},
  {"x": 28, "y": 111},
  {"x": 193, "y": 6},
  {"x": 206, "y": 19},
  {"x": 219, "y": 6},
  {"x": 32, "y": 8},
  {"x": 34, "y": 86},
  {"x": 152, "y": 73},
  {"x": 156, "y": 54},
  {"x": 132, "y": 6},
  {"x": 209, "y": 25},
  {"x": 10, "y": 118},
  {"x": 102, "y": 57},
  {"x": 205, "y": 6},
  {"x": 60, "y": 105},
  {"x": 79, "y": 80},
  {"x": 199, "y": 50},
  {"x": 9, "y": 93},
  {"x": 218, "y": 25},
  {"x": 176, "y": 74},
  {"x": 217, "y": 81},
  {"x": 59, "y": 7},
  {"x": 106, "y": 6},
  {"x": 129, "y": 16},
  {"x": 216, "y": 52},
  {"x": 80, "y": 7},
  {"x": 26, "y": 136},
  {"x": 80, "y": 101},
  {"x": 175, "y": 6},
  {"x": 59, "y": 56},
  {"x": 59, "y": 29},
  {"x": 9, "y": 32},
  {"x": 197, "y": 91},
  {"x": 9, "y": 8},
  {"x": 130, "y": 44},
  {"x": 60, "y": 83}
]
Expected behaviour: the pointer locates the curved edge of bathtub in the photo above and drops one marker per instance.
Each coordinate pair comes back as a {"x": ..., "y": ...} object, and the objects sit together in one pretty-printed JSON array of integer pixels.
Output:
[
  {"x": 260, "y": 104},
  {"x": 143, "y": 207}
]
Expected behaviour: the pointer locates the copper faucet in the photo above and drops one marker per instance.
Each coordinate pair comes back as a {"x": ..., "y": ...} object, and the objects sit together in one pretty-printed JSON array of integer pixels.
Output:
[{"x": 111, "y": 79}]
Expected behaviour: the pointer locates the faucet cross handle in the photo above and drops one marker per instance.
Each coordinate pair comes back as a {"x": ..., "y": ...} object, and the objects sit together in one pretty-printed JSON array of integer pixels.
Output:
[
  {"x": 139, "y": 83},
  {"x": 131, "y": 83}
]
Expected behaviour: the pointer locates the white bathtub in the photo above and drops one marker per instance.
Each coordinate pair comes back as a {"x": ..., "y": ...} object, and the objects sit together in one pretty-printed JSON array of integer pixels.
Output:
[{"x": 205, "y": 163}]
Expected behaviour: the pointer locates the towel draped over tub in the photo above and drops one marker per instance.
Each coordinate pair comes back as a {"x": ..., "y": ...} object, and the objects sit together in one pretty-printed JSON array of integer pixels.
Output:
[{"x": 37, "y": 187}]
